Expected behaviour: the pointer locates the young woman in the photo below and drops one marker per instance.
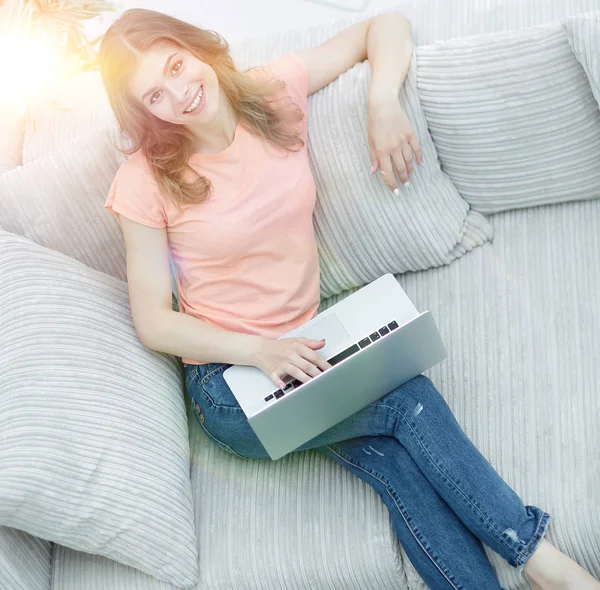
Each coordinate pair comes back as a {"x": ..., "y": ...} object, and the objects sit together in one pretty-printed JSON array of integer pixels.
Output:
[{"x": 219, "y": 177}]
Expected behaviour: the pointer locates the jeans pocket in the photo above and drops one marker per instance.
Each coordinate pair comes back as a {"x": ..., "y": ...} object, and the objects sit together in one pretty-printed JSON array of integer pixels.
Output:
[{"x": 215, "y": 388}]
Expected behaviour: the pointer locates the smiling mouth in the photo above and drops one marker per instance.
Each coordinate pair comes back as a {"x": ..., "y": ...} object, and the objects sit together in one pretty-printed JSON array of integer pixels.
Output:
[{"x": 195, "y": 102}]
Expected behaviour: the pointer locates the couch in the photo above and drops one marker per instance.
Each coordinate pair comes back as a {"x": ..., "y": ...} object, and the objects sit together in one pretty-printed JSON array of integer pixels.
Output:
[{"x": 517, "y": 309}]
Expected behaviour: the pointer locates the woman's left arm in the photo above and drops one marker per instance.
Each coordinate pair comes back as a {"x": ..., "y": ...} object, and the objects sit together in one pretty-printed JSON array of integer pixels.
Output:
[
  {"x": 386, "y": 40},
  {"x": 392, "y": 140}
]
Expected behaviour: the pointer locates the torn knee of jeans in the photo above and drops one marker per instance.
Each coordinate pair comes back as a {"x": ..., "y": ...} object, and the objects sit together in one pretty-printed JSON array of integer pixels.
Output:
[
  {"x": 374, "y": 450},
  {"x": 512, "y": 534},
  {"x": 417, "y": 410}
]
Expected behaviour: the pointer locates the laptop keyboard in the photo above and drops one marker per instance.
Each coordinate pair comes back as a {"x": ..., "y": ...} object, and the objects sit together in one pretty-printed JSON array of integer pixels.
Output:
[{"x": 334, "y": 360}]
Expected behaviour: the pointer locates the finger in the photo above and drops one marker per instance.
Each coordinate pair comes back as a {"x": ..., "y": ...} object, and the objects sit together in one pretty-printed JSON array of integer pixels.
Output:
[
  {"x": 306, "y": 366},
  {"x": 408, "y": 159},
  {"x": 315, "y": 344},
  {"x": 374, "y": 160},
  {"x": 296, "y": 373},
  {"x": 322, "y": 363},
  {"x": 416, "y": 148},
  {"x": 316, "y": 359},
  {"x": 277, "y": 380},
  {"x": 400, "y": 165},
  {"x": 387, "y": 175}
]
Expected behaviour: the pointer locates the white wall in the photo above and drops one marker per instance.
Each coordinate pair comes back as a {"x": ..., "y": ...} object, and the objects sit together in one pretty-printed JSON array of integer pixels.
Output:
[{"x": 243, "y": 19}]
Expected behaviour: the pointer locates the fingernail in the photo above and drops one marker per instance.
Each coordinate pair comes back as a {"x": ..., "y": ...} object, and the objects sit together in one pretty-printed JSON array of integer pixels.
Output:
[
  {"x": 421, "y": 163},
  {"x": 410, "y": 175},
  {"x": 396, "y": 192},
  {"x": 406, "y": 183},
  {"x": 372, "y": 169}
]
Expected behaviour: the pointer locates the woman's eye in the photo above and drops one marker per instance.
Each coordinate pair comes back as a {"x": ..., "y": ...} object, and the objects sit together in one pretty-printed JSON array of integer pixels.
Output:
[
  {"x": 154, "y": 97},
  {"x": 176, "y": 67}
]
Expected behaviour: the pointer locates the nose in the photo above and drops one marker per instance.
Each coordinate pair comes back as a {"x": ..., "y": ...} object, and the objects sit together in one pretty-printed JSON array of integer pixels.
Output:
[{"x": 180, "y": 90}]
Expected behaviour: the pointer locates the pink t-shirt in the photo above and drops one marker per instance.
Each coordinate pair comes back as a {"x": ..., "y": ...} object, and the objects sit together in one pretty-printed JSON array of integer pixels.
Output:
[{"x": 246, "y": 259}]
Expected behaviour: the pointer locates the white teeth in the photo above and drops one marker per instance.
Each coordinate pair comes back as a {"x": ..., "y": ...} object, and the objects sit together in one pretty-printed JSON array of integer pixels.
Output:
[{"x": 195, "y": 103}]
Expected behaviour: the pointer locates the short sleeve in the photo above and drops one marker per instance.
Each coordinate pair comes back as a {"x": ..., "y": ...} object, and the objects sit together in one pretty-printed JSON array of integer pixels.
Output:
[
  {"x": 135, "y": 194},
  {"x": 291, "y": 69}
]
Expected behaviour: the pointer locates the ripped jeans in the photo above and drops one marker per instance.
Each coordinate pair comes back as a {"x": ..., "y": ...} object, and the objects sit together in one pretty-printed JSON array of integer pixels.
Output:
[{"x": 444, "y": 498}]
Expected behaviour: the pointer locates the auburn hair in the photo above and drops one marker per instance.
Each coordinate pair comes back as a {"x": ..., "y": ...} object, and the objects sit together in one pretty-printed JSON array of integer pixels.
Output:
[{"x": 168, "y": 146}]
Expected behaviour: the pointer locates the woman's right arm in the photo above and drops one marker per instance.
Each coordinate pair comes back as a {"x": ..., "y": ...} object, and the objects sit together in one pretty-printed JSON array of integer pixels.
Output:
[{"x": 160, "y": 328}]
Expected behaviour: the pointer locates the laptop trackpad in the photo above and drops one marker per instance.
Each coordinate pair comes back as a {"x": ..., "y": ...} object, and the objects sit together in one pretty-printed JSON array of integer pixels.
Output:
[{"x": 331, "y": 329}]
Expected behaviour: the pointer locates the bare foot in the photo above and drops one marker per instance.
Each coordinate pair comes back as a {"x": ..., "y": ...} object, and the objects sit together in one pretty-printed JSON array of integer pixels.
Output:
[{"x": 549, "y": 569}]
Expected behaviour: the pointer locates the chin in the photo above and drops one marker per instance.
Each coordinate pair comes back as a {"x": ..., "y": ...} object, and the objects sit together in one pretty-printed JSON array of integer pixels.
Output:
[{"x": 176, "y": 122}]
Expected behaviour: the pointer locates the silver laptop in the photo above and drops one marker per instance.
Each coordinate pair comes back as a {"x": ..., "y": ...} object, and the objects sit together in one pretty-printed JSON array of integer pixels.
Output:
[{"x": 376, "y": 340}]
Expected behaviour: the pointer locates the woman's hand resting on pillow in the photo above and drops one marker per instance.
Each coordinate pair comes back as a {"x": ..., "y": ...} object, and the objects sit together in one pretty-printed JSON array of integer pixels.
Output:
[{"x": 392, "y": 141}]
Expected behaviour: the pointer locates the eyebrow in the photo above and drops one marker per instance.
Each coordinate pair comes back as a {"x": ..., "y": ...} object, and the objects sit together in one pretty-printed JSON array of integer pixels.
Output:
[{"x": 164, "y": 73}]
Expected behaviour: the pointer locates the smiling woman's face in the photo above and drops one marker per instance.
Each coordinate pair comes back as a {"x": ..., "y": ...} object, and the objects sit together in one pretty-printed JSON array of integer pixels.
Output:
[{"x": 175, "y": 86}]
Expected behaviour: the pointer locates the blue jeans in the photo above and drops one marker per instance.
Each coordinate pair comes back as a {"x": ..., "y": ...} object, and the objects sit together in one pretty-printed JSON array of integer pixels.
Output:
[{"x": 445, "y": 499}]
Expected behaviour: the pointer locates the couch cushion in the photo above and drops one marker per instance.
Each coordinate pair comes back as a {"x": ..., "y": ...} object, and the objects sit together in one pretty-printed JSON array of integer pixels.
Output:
[
  {"x": 519, "y": 318},
  {"x": 520, "y": 321},
  {"x": 513, "y": 118},
  {"x": 24, "y": 561},
  {"x": 302, "y": 519},
  {"x": 94, "y": 450}
]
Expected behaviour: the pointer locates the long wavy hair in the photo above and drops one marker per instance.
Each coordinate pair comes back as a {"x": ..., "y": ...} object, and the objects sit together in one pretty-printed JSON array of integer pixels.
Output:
[{"x": 168, "y": 146}]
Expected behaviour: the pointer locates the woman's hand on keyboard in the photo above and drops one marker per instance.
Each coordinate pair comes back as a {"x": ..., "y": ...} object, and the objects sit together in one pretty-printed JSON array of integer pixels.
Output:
[{"x": 296, "y": 357}]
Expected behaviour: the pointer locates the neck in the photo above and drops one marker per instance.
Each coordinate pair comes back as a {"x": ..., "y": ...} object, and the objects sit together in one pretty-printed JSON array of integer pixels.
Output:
[{"x": 216, "y": 135}]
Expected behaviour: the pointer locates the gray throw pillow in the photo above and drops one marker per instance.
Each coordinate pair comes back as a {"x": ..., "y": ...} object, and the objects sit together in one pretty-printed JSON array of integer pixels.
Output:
[
  {"x": 363, "y": 230},
  {"x": 513, "y": 118},
  {"x": 94, "y": 447},
  {"x": 57, "y": 201},
  {"x": 74, "y": 107}
]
